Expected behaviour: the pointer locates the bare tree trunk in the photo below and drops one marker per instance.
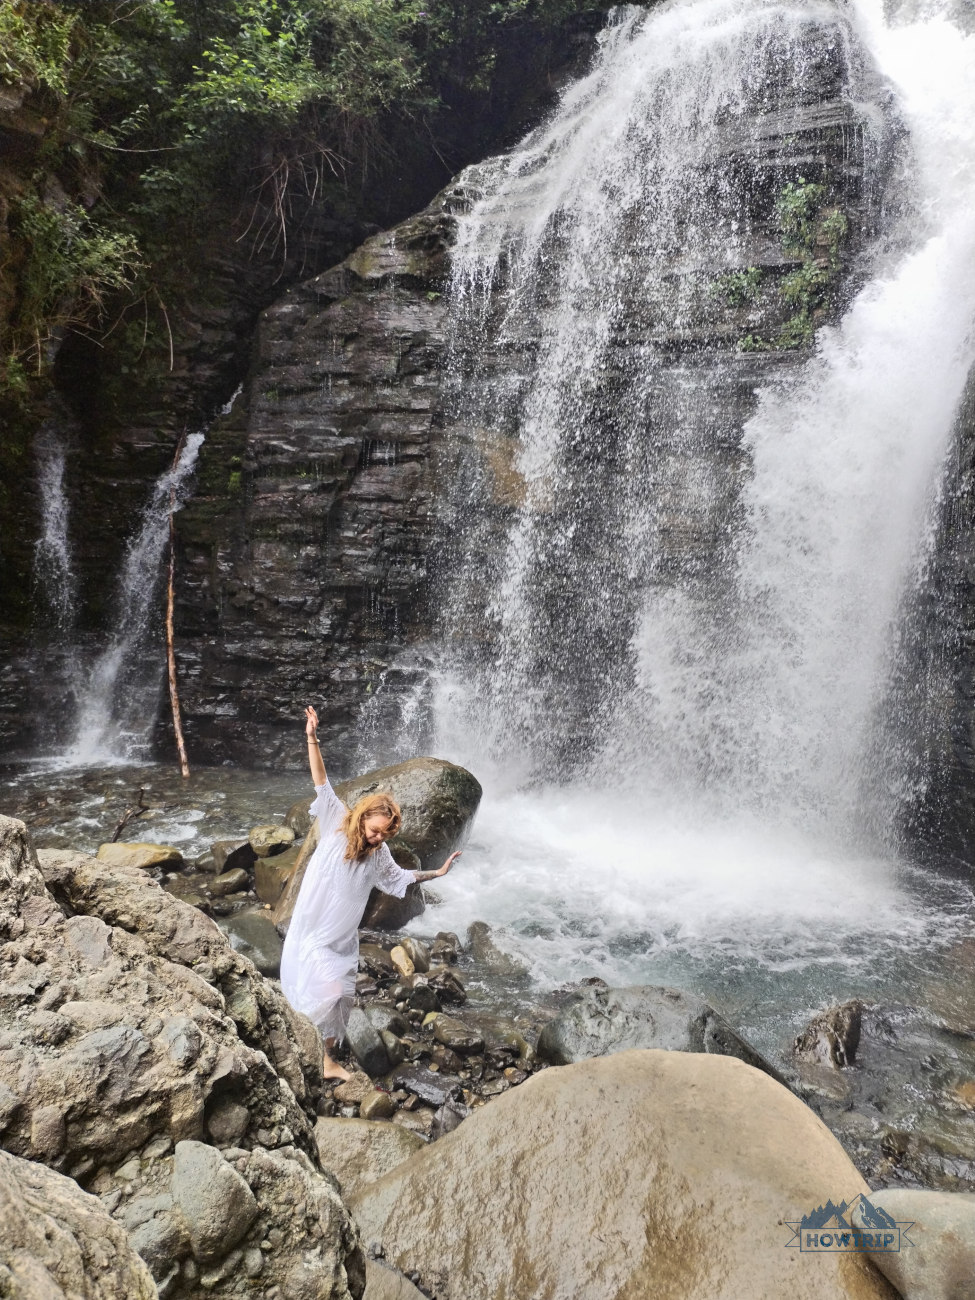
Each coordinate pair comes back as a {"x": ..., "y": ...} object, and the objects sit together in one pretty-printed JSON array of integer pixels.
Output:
[{"x": 184, "y": 765}]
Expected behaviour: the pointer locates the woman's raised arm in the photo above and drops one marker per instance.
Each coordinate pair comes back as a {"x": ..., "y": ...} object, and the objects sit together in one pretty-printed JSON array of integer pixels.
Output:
[{"x": 314, "y": 753}]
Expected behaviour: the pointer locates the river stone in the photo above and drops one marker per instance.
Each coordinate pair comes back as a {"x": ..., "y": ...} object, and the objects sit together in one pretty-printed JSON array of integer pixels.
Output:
[
  {"x": 266, "y": 841},
  {"x": 229, "y": 854},
  {"x": 401, "y": 960},
  {"x": 298, "y": 817},
  {"x": 447, "y": 984},
  {"x": 941, "y": 1263},
  {"x": 456, "y": 1035},
  {"x": 487, "y": 955},
  {"x": 377, "y": 1105},
  {"x": 832, "y": 1036},
  {"x": 417, "y": 952},
  {"x": 59, "y": 1243},
  {"x": 215, "y": 1201},
  {"x": 395, "y": 1047},
  {"x": 353, "y": 1089},
  {"x": 385, "y": 1283},
  {"x": 376, "y": 960},
  {"x": 358, "y": 1151},
  {"x": 664, "y": 1174},
  {"x": 422, "y": 997},
  {"x": 144, "y": 856},
  {"x": 229, "y": 882},
  {"x": 251, "y": 933},
  {"x": 433, "y": 1088},
  {"x": 438, "y": 802},
  {"x": 603, "y": 1020},
  {"x": 271, "y": 875},
  {"x": 388, "y": 1019},
  {"x": 366, "y": 1043},
  {"x": 446, "y": 947}
]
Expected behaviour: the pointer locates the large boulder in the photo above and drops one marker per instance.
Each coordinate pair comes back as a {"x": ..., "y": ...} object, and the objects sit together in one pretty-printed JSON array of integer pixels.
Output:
[
  {"x": 602, "y": 1020},
  {"x": 132, "y": 1039},
  {"x": 358, "y": 1151},
  {"x": 638, "y": 1174},
  {"x": 438, "y": 800},
  {"x": 940, "y": 1263},
  {"x": 59, "y": 1242}
]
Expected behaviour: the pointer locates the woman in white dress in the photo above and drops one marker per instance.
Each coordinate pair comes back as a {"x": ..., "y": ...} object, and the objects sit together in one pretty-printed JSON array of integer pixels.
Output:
[{"x": 321, "y": 951}]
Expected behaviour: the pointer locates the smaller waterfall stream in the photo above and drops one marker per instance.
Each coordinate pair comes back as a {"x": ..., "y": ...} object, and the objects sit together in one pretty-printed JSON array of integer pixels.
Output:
[
  {"x": 53, "y": 568},
  {"x": 117, "y": 709}
]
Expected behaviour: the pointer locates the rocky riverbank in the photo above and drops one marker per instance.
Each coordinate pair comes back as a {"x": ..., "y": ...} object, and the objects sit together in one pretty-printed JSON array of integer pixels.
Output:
[{"x": 166, "y": 1129}]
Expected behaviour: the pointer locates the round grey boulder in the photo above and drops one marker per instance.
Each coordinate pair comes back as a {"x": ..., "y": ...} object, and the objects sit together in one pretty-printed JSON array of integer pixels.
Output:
[
  {"x": 604, "y": 1020},
  {"x": 940, "y": 1262},
  {"x": 438, "y": 801},
  {"x": 216, "y": 1203}
]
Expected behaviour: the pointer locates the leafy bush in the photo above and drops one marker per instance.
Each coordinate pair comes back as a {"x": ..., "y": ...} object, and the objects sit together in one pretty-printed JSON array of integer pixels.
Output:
[{"x": 71, "y": 266}]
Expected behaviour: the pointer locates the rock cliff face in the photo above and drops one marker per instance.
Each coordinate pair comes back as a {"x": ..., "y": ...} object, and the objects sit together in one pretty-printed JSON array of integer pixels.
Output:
[
  {"x": 305, "y": 553},
  {"x": 308, "y": 554}
]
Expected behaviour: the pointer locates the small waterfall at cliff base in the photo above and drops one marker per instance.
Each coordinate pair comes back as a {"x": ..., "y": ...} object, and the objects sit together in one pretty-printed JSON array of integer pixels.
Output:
[
  {"x": 677, "y": 554},
  {"x": 53, "y": 567},
  {"x": 117, "y": 708}
]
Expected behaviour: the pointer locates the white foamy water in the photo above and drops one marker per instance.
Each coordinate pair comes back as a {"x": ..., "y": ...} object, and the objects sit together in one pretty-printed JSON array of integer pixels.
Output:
[{"x": 739, "y": 791}]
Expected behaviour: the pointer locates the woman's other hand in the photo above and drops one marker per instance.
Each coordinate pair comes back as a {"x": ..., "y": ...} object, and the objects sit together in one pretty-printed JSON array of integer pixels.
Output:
[
  {"x": 311, "y": 722},
  {"x": 448, "y": 864}
]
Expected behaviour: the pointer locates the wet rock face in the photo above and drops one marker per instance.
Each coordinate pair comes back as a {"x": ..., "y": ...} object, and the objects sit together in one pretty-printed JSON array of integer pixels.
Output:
[
  {"x": 146, "y": 1059},
  {"x": 303, "y": 583}
]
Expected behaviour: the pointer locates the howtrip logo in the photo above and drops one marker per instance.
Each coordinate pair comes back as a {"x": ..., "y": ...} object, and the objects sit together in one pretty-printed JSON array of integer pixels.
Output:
[{"x": 851, "y": 1226}]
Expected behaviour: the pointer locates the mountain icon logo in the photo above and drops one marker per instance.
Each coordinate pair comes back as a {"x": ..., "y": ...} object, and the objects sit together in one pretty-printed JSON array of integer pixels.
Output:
[{"x": 848, "y": 1226}]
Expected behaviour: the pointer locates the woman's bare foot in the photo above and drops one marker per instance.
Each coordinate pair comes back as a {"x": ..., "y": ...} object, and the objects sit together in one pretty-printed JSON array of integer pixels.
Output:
[{"x": 332, "y": 1070}]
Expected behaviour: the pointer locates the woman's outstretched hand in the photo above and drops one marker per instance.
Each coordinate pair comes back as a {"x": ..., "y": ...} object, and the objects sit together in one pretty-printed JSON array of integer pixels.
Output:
[
  {"x": 311, "y": 722},
  {"x": 448, "y": 864},
  {"x": 421, "y": 876}
]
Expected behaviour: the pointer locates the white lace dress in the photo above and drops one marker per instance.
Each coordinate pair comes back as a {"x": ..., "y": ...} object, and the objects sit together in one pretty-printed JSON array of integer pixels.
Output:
[{"x": 321, "y": 951}]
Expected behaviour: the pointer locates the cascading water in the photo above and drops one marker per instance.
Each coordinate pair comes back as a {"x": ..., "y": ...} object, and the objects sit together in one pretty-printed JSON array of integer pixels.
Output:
[
  {"x": 117, "y": 711},
  {"x": 671, "y": 620},
  {"x": 53, "y": 568}
]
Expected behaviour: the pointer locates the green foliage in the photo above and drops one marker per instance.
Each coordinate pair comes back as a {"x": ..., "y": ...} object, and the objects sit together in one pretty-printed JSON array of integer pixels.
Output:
[
  {"x": 797, "y": 208},
  {"x": 71, "y": 265},
  {"x": 35, "y": 41},
  {"x": 739, "y": 288},
  {"x": 182, "y": 113},
  {"x": 813, "y": 232}
]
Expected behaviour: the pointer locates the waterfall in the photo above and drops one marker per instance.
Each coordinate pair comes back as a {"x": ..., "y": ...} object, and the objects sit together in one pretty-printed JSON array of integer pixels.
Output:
[
  {"x": 117, "y": 709},
  {"x": 671, "y": 606},
  {"x": 53, "y": 568}
]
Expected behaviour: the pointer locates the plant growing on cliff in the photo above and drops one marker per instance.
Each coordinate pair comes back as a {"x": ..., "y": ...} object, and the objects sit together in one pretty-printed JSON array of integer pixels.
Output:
[
  {"x": 35, "y": 42},
  {"x": 739, "y": 288},
  {"x": 71, "y": 265},
  {"x": 814, "y": 232}
]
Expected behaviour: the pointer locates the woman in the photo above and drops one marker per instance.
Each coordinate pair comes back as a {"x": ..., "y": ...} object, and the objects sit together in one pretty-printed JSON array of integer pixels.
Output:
[{"x": 321, "y": 951}]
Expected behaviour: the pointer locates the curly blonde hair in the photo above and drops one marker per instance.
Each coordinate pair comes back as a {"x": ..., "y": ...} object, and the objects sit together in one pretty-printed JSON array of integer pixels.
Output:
[{"x": 370, "y": 805}]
